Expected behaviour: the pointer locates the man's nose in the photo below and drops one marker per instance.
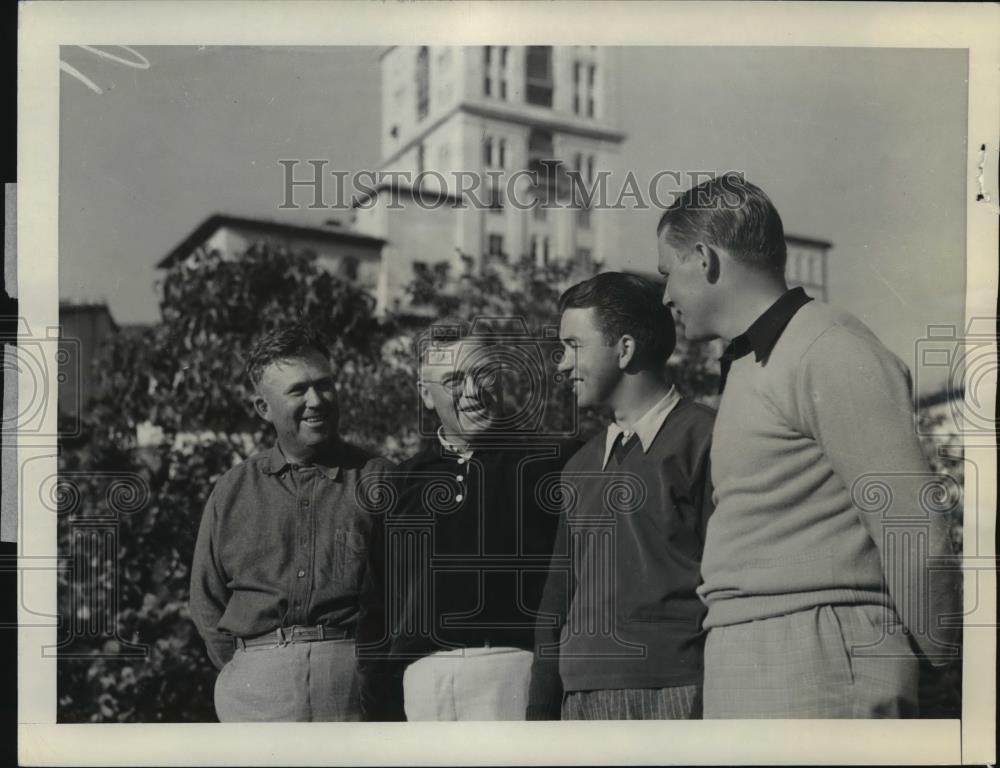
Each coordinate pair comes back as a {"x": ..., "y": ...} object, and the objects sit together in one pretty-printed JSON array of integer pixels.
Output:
[
  {"x": 667, "y": 301},
  {"x": 565, "y": 363},
  {"x": 313, "y": 397}
]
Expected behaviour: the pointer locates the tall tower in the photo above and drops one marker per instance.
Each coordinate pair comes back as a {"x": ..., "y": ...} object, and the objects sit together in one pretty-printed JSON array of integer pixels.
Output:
[{"x": 450, "y": 115}]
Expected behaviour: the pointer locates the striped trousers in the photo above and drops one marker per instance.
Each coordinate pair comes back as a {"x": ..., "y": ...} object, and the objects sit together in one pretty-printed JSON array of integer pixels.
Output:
[{"x": 676, "y": 703}]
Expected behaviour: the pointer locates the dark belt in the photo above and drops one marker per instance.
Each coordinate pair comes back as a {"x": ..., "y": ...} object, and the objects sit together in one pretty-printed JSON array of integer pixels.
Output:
[{"x": 297, "y": 634}]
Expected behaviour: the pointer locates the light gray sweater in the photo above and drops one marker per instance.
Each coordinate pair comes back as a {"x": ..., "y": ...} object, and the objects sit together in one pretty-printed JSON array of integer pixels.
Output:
[{"x": 821, "y": 487}]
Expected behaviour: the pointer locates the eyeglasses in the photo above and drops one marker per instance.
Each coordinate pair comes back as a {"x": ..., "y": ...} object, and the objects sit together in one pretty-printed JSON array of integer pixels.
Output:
[{"x": 483, "y": 377}]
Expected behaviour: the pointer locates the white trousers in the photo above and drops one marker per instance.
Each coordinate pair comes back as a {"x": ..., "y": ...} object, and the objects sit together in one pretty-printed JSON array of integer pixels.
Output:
[{"x": 468, "y": 684}]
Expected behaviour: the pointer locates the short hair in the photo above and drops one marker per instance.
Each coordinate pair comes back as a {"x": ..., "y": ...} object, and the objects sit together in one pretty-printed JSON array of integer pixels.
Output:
[
  {"x": 630, "y": 305},
  {"x": 283, "y": 343},
  {"x": 443, "y": 332},
  {"x": 732, "y": 213},
  {"x": 449, "y": 330}
]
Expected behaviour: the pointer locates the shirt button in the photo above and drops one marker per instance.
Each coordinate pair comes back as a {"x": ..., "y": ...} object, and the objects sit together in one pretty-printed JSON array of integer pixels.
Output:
[
  {"x": 460, "y": 478},
  {"x": 301, "y": 574},
  {"x": 459, "y": 498},
  {"x": 461, "y": 460}
]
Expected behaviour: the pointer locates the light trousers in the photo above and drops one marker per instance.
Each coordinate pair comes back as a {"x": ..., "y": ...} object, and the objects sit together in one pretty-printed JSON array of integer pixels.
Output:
[
  {"x": 468, "y": 684},
  {"x": 832, "y": 661},
  {"x": 298, "y": 682}
]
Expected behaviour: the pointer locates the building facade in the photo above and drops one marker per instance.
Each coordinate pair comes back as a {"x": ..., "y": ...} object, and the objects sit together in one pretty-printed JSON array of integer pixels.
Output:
[
  {"x": 84, "y": 328},
  {"x": 494, "y": 134},
  {"x": 807, "y": 265},
  {"x": 487, "y": 152},
  {"x": 351, "y": 255}
]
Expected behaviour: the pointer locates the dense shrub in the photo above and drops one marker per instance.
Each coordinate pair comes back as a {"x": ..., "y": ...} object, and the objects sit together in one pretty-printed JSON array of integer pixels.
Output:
[{"x": 172, "y": 679}]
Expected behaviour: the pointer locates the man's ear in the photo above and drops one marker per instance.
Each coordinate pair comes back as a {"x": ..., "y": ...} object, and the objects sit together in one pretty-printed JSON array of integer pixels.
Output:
[
  {"x": 708, "y": 260},
  {"x": 626, "y": 351},
  {"x": 260, "y": 405},
  {"x": 425, "y": 395}
]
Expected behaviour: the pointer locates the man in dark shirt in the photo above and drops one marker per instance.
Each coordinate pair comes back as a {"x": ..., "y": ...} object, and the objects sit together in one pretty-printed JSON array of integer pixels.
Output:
[
  {"x": 281, "y": 549},
  {"x": 458, "y": 564}
]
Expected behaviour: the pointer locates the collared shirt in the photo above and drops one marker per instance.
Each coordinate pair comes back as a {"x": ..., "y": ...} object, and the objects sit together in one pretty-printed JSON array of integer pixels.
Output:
[
  {"x": 282, "y": 545},
  {"x": 463, "y": 453},
  {"x": 646, "y": 427},
  {"x": 761, "y": 337}
]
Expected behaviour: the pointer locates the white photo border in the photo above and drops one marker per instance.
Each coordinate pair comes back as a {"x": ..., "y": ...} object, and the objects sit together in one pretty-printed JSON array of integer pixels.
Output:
[{"x": 45, "y": 26}]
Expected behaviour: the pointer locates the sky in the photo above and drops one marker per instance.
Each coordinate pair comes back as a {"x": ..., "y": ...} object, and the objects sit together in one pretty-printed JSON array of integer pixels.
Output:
[{"x": 863, "y": 147}]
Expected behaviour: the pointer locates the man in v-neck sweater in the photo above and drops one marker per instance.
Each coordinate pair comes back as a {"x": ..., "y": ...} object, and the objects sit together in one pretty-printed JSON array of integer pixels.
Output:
[
  {"x": 626, "y": 640},
  {"x": 819, "y": 595}
]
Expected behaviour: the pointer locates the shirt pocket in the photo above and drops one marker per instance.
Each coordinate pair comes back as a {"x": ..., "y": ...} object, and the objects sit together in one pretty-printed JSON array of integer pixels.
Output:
[{"x": 349, "y": 554}]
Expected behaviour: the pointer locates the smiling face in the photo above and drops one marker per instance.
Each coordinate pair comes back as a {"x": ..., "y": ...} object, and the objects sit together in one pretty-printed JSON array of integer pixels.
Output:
[
  {"x": 590, "y": 364},
  {"x": 462, "y": 382},
  {"x": 299, "y": 398},
  {"x": 686, "y": 291}
]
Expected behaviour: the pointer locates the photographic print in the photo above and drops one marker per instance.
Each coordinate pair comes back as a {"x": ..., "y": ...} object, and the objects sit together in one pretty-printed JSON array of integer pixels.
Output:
[{"x": 402, "y": 372}]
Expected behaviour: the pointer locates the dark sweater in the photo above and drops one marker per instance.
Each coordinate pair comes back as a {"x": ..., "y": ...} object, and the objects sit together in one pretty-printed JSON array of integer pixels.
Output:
[
  {"x": 456, "y": 563},
  {"x": 626, "y": 566}
]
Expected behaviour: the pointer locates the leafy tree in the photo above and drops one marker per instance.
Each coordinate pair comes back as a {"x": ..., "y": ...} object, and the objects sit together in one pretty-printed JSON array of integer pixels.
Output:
[
  {"x": 184, "y": 373},
  {"x": 144, "y": 584}
]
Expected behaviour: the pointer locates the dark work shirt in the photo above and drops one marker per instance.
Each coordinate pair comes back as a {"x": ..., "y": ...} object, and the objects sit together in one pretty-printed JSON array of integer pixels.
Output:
[
  {"x": 761, "y": 337},
  {"x": 460, "y": 561},
  {"x": 283, "y": 545}
]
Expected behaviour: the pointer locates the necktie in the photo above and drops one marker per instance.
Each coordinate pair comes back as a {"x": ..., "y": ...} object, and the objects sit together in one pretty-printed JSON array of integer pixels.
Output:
[{"x": 623, "y": 447}]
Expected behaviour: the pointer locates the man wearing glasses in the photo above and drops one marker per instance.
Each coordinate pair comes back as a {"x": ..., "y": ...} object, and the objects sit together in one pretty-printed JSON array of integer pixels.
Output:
[{"x": 459, "y": 558}]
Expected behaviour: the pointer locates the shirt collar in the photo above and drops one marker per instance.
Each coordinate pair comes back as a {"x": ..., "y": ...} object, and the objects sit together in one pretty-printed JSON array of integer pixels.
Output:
[
  {"x": 277, "y": 462},
  {"x": 465, "y": 453},
  {"x": 761, "y": 337},
  {"x": 647, "y": 427}
]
